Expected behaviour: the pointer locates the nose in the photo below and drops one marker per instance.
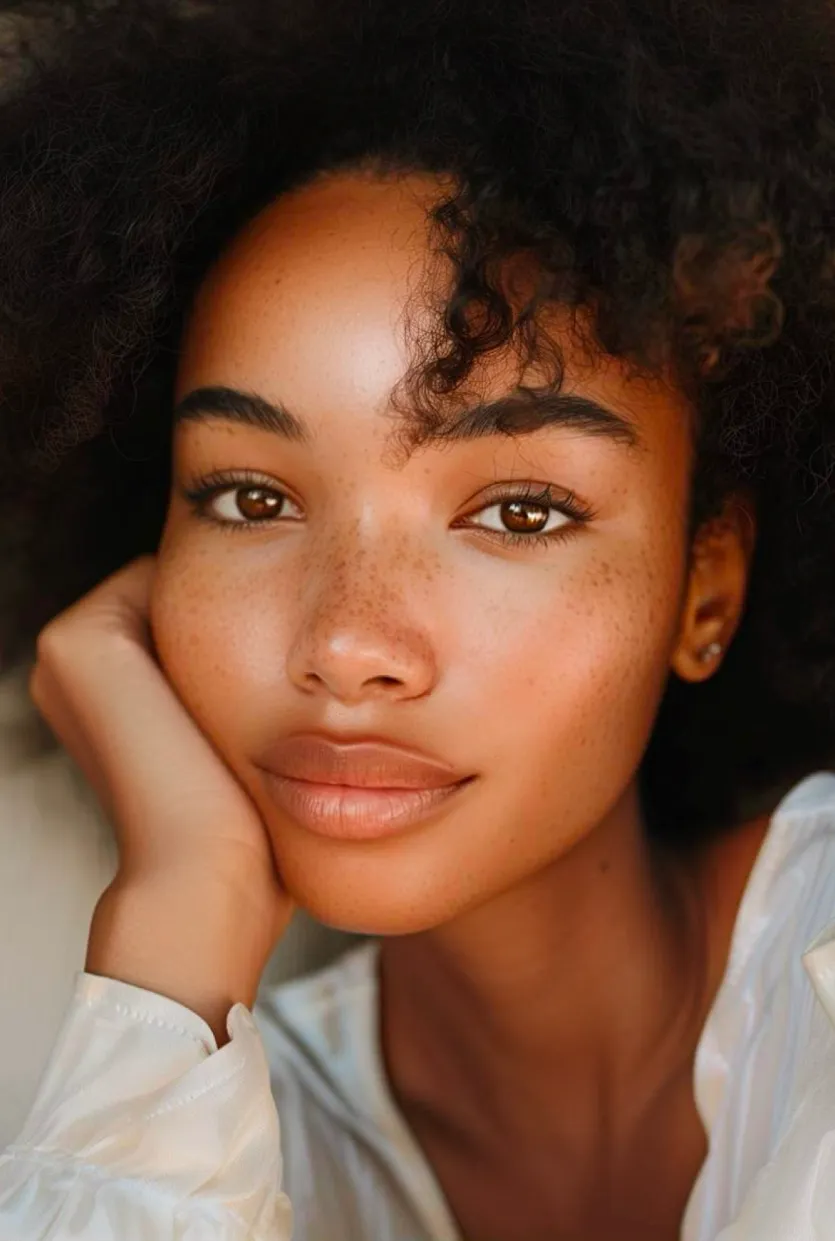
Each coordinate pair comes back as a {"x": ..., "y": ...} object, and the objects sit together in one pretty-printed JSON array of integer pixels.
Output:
[{"x": 359, "y": 639}]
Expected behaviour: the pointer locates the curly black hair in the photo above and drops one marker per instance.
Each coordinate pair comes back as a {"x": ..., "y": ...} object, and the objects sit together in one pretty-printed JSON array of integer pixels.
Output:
[{"x": 670, "y": 166}]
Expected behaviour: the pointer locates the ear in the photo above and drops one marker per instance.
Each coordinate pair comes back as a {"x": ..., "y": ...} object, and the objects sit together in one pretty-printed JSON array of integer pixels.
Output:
[{"x": 716, "y": 589}]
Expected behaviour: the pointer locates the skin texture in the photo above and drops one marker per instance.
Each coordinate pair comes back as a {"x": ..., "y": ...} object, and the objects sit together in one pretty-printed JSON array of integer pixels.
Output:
[
  {"x": 545, "y": 975},
  {"x": 293, "y": 626},
  {"x": 564, "y": 973}
]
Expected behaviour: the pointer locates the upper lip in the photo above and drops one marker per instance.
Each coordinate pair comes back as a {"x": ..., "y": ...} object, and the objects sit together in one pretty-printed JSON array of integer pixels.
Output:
[{"x": 369, "y": 763}]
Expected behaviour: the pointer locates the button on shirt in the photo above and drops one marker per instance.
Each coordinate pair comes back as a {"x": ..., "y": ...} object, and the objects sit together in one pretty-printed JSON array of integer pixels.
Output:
[{"x": 144, "y": 1131}]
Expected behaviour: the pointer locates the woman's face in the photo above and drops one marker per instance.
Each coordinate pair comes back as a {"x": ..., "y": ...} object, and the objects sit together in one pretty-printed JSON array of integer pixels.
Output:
[{"x": 336, "y": 608}]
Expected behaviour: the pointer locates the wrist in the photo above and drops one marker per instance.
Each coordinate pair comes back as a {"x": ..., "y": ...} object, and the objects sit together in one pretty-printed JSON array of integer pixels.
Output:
[{"x": 197, "y": 941}]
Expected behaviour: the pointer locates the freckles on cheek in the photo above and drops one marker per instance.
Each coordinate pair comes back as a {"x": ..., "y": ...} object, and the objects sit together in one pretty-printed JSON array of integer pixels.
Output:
[
  {"x": 593, "y": 668},
  {"x": 210, "y": 634}
]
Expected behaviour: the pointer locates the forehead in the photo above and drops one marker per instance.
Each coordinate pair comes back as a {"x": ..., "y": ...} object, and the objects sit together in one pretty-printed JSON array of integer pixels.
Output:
[
  {"x": 319, "y": 286},
  {"x": 326, "y": 302}
]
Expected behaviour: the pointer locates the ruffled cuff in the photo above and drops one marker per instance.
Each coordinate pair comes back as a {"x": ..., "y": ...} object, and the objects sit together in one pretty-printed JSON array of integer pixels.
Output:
[{"x": 143, "y": 1130}]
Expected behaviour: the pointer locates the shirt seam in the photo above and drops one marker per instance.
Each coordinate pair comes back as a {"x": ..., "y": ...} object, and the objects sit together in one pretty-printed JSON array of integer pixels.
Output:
[
  {"x": 145, "y": 1018},
  {"x": 182, "y": 1101}
]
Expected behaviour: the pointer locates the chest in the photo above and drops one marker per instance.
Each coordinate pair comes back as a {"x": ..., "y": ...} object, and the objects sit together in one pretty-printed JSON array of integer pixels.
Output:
[{"x": 509, "y": 1191}]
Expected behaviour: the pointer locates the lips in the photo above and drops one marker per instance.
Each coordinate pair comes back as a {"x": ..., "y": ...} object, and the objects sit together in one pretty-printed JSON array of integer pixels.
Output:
[
  {"x": 358, "y": 790},
  {"x": 357, "y": 764}
]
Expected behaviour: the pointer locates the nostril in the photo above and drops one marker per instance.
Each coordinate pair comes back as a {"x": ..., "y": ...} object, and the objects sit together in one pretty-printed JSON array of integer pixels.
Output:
[{"x": 350, "y": 667}]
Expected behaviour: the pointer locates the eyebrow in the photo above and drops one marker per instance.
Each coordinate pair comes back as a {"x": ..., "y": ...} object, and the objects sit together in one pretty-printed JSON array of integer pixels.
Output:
[
  {"x": 230, "y": 405},
  {"x": 526, "y": 412},
  {"x": 522, "y": 413}
]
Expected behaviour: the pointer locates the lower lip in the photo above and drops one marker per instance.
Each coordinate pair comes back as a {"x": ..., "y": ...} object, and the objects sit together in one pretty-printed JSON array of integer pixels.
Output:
[{"x": 345, "y": 812}]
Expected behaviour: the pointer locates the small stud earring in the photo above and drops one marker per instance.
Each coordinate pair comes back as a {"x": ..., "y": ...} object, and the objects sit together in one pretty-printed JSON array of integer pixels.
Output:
[{"x": 711, "y": 651}]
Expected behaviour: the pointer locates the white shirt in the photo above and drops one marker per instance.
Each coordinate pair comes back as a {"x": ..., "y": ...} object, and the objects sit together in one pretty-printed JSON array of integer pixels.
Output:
[
  {"x": 57, "y": 855},
  {"x": 144, "y": 1131}
]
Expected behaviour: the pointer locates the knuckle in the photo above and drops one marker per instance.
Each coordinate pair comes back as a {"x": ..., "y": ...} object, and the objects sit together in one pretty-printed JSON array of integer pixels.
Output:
[
  {"x": 59, "y": 650},
  {"x": 50, "y": 644}
]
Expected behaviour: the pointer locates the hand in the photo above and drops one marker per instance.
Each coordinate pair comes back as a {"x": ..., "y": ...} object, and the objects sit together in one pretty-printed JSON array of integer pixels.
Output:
[{"x": 196, "y": 906}]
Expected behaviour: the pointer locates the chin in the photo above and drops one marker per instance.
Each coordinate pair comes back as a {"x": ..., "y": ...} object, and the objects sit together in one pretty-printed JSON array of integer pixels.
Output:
[{"x": 371, "y": 891}]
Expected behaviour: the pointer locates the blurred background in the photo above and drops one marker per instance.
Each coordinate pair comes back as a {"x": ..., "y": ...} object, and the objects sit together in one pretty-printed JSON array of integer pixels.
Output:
[{"x": 57, "y": 854}]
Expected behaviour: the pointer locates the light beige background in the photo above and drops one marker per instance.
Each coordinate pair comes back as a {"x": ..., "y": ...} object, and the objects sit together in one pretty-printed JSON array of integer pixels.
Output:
[{"x": 56, "y": 855}]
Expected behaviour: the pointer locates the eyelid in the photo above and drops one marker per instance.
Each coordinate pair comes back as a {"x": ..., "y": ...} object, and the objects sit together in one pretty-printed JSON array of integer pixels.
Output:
[
  {"x": 206, "y": 488},
  {"x": 532, "y": 492},
  {"x": 218, "y": 479}
]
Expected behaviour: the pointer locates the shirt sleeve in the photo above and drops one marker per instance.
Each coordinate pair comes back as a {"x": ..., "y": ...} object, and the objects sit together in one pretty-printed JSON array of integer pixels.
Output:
[
  {"x": 793, "y": 1196},
  {"x": 142, "y": 1130}
]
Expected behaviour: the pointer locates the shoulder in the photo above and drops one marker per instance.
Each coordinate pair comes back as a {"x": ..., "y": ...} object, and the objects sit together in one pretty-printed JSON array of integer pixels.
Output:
[
  {"x": 765, "y": 1066},
  {"x": 776, "y": 872},
  {"x": 770, "y": 1009},
  {"x": 320, "y": 1036},
  {"x": 792, "y": 881}
]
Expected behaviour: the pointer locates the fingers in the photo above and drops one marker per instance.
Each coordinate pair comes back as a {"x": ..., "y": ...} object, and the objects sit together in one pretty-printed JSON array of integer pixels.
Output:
[
  {"x": 197, "y": 904},
  {"x": 98, "y": 685},
  {"x": 119, "y": 604},
  {"x": 68, "y": 650},
  {"x": 58, "y": 714}
]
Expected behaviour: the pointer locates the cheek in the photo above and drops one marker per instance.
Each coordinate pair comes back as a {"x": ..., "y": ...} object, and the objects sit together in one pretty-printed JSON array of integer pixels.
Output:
[
  {"x": 219, "y": 635},
  {"x": 578, "y": 665}
]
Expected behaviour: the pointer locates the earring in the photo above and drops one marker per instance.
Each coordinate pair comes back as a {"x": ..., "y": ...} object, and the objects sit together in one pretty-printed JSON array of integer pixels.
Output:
[{"x": 711, "y": 651}]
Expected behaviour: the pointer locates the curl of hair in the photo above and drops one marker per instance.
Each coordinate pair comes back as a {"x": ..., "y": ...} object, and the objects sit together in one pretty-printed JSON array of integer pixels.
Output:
[{"x": 670, "y": 168}]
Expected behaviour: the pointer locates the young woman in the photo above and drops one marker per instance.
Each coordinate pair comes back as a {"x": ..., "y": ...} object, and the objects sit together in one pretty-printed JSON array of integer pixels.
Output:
[{"x": 484, "y": 353}]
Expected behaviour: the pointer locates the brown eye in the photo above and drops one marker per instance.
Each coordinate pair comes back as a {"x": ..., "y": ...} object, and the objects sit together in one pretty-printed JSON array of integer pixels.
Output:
[
  {"x": 518, "y": 516},
  {"x": 258, "y": 504},
  {"x": 252, "y": 505},
  {"x": 524, "y": 517}
]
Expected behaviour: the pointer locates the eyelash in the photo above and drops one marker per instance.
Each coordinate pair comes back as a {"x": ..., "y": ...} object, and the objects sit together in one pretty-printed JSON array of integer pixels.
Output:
[
  {"x": 200, "y": 495},
  {"x": 564, "y": 502}
]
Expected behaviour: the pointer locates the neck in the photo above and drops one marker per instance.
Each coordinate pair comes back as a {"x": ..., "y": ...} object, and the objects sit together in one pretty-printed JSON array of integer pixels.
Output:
[{"x": 588, "y": 985}]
